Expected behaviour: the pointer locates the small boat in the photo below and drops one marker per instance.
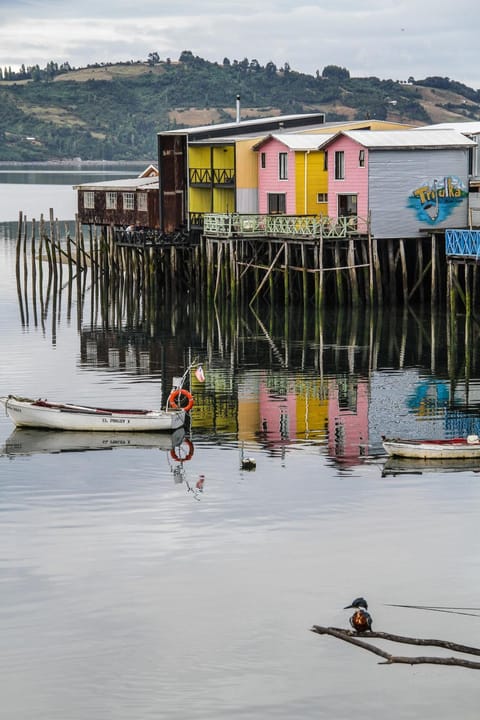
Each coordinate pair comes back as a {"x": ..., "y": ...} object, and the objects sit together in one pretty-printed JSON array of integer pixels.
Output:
[
  {"x": 26, "y": 412},
  {"x": 468, "y": 447}
]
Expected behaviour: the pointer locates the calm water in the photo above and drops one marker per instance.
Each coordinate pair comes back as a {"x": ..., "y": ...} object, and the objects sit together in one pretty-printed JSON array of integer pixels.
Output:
[{"x": 126, "y": 592}]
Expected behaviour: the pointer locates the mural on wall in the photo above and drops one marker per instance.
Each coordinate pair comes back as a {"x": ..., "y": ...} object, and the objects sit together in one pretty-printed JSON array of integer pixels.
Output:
[{"x": 434, "y": 200}]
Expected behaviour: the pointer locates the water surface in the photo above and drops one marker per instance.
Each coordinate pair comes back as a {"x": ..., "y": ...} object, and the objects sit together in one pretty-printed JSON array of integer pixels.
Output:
[{"x": 126, "y": 591}]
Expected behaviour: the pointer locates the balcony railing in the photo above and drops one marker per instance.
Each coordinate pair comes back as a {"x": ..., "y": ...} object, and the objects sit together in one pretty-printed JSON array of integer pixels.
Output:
[
  {"x": 212, "y": 176},
  {"x": 463, "y": 243},
  {"x": 307, "y": 226}
]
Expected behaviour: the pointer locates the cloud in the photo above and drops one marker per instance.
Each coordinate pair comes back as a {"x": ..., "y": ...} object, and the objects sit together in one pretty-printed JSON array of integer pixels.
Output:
[{"x": 387, "y": 39}]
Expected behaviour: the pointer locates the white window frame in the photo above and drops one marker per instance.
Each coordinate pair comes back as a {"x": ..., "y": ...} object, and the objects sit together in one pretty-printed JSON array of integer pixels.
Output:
[
  {"x": 129, "y": 201},
  {"x": 111, "y": 200},
  {"x": 322, "y": 197},
  {"x": 283, "y": 166},
  {"x": 339, "y": 165},
  {"x": 142, "y": 201},
  {"x": 89, "y": 199}
]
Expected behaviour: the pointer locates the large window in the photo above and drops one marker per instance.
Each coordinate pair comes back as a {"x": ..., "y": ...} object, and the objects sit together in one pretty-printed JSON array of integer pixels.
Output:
[
  {"x": 339, "y": 165},
  {"x": 283, "y": 166},
  {"x": 89, "y": 200},
  {"x": 111, "y": 201},
  {"x": 347, "y": 205},
  {"x": 129, "y": 201},
  {"x": 142, "y": 201},
  {"x": 276, "y": 203}
]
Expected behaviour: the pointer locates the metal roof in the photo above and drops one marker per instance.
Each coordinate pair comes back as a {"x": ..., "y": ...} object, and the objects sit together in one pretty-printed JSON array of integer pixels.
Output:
[
  {"x": 297, "y": 141},
  {"x": 127, "y": 184},
  {"x": 255, "y": 126},
  {"x": 471, "y": 127},
  {"x": 408, "y": 139}
]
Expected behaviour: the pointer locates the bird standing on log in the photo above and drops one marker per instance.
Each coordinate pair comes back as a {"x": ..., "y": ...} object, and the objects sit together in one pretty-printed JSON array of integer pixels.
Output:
[{"x": 361, "y": 620}]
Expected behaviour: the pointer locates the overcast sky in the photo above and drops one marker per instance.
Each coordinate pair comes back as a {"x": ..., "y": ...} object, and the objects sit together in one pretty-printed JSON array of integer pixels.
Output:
[{"x": 387, "y": 38}]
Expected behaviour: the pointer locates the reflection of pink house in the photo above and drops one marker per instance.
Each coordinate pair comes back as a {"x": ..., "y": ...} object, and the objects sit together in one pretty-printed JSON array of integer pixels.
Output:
[
  {"x": 278, "y": 413},
  {"x": 348, "y": 419}
]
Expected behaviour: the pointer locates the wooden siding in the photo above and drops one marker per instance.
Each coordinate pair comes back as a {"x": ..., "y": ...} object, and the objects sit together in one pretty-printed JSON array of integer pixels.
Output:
[
  {"x": 173, "y": 163},
  {"x": 355, "y": 180},
  {"x": 312, "y": 178},
  {"x": 268, "y": 177},
  {"x": 100, "y": 215}
]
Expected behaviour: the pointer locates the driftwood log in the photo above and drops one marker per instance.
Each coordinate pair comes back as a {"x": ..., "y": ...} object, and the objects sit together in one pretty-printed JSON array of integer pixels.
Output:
[{"x": 350, "y": 636}]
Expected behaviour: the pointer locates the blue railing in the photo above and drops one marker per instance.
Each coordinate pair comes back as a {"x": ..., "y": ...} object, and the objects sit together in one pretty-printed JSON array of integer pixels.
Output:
[{"x": 465, "y": 243}]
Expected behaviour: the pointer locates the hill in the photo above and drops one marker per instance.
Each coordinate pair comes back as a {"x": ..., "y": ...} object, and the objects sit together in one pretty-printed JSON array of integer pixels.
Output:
[{"x": 113, "y": 112}]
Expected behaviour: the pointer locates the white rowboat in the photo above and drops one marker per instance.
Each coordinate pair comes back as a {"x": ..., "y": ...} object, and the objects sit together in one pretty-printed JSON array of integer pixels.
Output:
[
  {"x": 468, "y": 447},
  {"x": 25, "y": 412}
]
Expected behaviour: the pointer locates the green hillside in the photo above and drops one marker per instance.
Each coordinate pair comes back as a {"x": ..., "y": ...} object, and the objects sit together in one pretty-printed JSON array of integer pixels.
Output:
[{"x": 113, "y": 112}]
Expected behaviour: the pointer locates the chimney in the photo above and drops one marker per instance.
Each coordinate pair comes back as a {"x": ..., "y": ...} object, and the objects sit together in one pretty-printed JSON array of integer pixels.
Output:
[{"x": 238, "y": 109}]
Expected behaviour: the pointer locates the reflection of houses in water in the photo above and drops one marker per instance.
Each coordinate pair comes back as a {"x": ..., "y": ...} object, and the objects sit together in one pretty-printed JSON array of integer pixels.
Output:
[
  {"x": 281, "y": 408},
  {"x": 348, "y": 418}
]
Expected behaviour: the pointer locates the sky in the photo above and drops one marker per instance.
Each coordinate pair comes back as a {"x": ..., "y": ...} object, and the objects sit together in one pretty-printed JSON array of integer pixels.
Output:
[{"x": 389, "y": 39}]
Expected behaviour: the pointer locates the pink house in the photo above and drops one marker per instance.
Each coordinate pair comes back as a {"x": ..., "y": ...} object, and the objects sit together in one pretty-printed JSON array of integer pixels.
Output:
[
  {"x": 287, "y": 165},
  {"x": 347, "y": 161}
]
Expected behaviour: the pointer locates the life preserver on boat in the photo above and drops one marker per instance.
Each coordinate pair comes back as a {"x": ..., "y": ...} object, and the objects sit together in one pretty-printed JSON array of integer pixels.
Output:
[
  {"x": 176, "y": 394},
  {"x": 178, "y": 456}
]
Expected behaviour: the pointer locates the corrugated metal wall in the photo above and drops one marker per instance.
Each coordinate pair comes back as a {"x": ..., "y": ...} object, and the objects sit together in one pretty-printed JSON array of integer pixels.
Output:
[{"x": 394, "y": 175}]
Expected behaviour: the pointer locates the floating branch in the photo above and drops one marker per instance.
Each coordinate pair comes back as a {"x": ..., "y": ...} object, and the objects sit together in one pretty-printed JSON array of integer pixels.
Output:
[{"x": 354, "y": 638}]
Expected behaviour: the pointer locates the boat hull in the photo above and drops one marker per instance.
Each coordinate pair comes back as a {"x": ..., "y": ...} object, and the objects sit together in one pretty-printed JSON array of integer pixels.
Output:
[
  {"x": 65, "y": 416},
  {"x": 433, "y": 449}
]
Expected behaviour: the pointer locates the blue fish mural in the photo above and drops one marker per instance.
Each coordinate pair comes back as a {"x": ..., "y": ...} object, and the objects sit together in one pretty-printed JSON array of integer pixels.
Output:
[{"x": 434, "y": 200}]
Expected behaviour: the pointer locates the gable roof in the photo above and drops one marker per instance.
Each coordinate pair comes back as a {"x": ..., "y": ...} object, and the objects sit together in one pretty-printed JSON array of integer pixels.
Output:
[
  {"x": 296, "y": 141},
  {"x": 406, "y": 139}
]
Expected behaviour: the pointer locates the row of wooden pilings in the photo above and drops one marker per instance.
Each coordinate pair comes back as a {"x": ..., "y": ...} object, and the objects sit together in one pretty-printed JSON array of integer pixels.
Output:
[
  {"x": 132, "y": 287},
  {"x": 355, "y": 271}
]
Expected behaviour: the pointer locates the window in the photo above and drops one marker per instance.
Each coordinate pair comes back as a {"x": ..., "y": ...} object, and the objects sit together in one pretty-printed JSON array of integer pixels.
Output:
[
  {"x": 339, "y": 165},
  {"x": 322, "y": 197},
  {"x": 276, "y": 203},
  {"x": 325, "y": 160},
  {"x": 111, "y": 201},
  {"x": 142, "y": 201},
  {"x": 129, "y": 201},
  {"x": 283, "y": 166},
  {"x": 89, "y": 200},
  {"x": 263, "y": 161},
  {"x": 361, "y": 158},
  {"x": 347, "y": 205}
]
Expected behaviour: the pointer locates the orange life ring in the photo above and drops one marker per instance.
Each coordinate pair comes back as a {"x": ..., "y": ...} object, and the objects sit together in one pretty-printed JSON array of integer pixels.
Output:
[
  {"x": 189, "y": 454},
  {"x": 176, "y": 394}
]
